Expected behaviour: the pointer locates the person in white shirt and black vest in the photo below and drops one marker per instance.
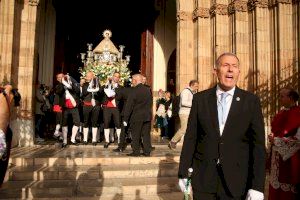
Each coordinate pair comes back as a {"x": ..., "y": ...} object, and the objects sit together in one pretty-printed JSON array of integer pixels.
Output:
[
  {"x": 91, "y": 106},
  {"x": 110, "y": 107},
  {"x": 224, "y": 142},
  {"x": 70, "y": 92}
]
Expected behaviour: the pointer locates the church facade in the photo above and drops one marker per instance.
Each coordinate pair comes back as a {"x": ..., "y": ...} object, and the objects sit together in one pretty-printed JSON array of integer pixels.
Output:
[{"x": 183, "y": 42}]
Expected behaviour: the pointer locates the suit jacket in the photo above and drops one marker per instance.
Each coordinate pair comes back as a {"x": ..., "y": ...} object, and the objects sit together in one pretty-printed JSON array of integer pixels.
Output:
[
  {"x": 74, "y": 91},
  {"x": 240, "y": 150},
  {"x": 139, "y": 105},
  {"x": 122, "y": 96}
]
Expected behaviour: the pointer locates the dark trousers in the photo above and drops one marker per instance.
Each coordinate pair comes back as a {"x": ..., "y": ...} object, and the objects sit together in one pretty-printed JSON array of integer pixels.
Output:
[
  {"x": 40, "y": 125},
  {"x": 109, "y": 113},
  {"x": 90, "y": 116},
  {"x": 140, "y": 130},
  {"x": 124, "y": 130},
  {"x": 58, "y": 118},
  {"x": 222, "y": 193},
  {"x": 75, "y": 116}
]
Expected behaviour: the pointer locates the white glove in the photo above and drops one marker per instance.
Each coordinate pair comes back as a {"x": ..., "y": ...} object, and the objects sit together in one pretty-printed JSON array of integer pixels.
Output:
[
  {"x": 66, "y": 84},
  {"x": 124, "y": 123},
  {"x": 254, "y": 195},
  {"x": 93, "y": 102},
  {"x": 3, "y": 147},
  {"x": 109, "y": 92},
  {"x": 182, "y": 184}
]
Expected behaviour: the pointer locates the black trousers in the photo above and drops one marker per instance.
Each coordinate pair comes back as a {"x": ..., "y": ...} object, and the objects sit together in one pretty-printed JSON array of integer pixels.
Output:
[
  {"x": 124, "y": 130},
  {"x": 113, "y": 113},
  {"x": 90, "y": 116},
  {"x": 222, "y": 193},
  {"x": 140, "y": 130},
  {"x": 75, "y": 116},
  {"x": 58, "y": 117}
]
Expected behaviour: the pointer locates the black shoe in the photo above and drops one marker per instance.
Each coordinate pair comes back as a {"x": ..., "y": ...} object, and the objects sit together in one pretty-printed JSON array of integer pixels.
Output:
[
  {"x": 133, "y": 154},
  {"x": 146, "y": 154},
  {"x": 152, "y": 148},
  {"x": 106, "y": 145},
  {"x": 64, "y": 145},
  {"x": 85, "y": 143},
  {"x": 118, "y": 150},
  {"x": 94, "y": 143},
  {"x": 74, "y": 143}
]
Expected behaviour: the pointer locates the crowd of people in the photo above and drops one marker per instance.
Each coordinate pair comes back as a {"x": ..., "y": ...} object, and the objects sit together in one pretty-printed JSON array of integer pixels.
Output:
[{"x": 222, "y": 129}]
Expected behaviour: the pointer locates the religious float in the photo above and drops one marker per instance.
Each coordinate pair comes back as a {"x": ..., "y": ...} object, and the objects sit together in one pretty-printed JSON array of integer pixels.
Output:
[{"x": 105, "y": 59}]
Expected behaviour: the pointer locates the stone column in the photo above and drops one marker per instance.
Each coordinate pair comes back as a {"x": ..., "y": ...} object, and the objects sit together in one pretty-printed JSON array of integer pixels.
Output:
[
  {"x": 46, "y": 42},
  {"x": 7, "y": 9},
  {"x": 260, "y": 54},
  {"x": 25, "y": 72},
  {"x": 240, "y": 40},
  {"x": 185, "y": 67},
  {"x": 204, "y": 54},
  {"x": 220, "y": 27}
]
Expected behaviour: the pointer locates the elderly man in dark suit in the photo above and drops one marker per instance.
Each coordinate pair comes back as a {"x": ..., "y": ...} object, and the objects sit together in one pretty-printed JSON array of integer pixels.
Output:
[
  {"x": 225, "y": 140},
  {"x": 139, "y": 111}
]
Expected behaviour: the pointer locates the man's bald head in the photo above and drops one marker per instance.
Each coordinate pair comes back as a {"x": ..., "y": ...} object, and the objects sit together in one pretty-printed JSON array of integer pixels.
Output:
[
  {"x": 137, "y": 79},
  {"x": 89, "y": 76}
]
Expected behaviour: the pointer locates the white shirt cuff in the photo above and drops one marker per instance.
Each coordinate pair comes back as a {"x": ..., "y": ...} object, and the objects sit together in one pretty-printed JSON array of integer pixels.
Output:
[{"x": 254, "y": 195}]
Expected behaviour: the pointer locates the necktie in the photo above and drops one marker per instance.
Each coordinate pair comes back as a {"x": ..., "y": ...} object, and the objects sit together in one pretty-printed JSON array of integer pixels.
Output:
[{"x": 222, "y": 109}]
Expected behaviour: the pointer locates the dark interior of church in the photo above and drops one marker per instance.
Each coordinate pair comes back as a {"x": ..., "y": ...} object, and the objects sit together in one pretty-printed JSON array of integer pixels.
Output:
[{"x": 82, "y": 22}]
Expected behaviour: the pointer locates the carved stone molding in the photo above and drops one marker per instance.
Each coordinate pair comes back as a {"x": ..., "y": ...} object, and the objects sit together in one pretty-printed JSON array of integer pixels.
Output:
[
  {"x": 184, "y": 16},
  {"x": 34, "y": 2},
  {"x": 201, "y": 12},
  {"x": 237, "y": 6},
  {"x": 219, "y": 9},
  {"x": 284, "y": 1},
  {"x": 252, "y": 4}
]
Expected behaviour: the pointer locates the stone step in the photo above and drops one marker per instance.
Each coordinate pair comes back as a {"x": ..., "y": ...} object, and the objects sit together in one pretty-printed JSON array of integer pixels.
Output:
[
  {"x": 89, "y": 188},
  {"x": 41, "y": 172},
  {"x": 87, "y": 155},
  {"x": 137, "y": 196}
]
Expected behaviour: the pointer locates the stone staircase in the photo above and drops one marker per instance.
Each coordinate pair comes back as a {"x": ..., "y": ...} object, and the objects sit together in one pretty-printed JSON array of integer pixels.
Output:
[{"x": 88, "y": 172}]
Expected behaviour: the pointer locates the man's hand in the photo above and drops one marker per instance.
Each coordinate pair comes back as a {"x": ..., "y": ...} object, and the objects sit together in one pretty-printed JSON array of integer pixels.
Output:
[
  {"x": 254, "y": 195},
  {"x": 124, "y": 123}
]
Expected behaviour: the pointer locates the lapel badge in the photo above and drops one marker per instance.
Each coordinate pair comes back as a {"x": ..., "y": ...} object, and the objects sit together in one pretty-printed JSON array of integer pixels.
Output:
[{"x": 238, "y": 99}]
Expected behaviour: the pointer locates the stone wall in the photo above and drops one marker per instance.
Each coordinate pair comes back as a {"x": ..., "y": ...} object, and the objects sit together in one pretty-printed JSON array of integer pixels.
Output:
[{"x": 264, "y": 35}]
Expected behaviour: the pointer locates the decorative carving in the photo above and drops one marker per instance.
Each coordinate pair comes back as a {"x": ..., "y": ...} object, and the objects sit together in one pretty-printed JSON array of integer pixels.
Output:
[
  {"x": 219, "y": 9},
  {"x": 184, "y": 16},
  {"x": 237, "y": 6},
  {"x": 201, "y": 12},
  {"x": 284, "y": 1},
  {"x": 252, "y": 4},
  {"x": 34, "y": 2}
]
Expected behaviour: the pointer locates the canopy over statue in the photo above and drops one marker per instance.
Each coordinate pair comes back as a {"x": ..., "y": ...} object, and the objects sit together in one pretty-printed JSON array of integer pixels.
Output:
[{"x": 105, "y": 59}]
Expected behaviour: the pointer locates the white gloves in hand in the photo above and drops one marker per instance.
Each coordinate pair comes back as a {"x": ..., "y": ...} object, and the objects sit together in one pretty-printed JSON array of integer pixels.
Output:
[
  {"x": 182, "y": 184},
  {"x": 3, "y": 147},
  {"x": 254, "y": 195},
  {"x": 124, "y": 123},
  {"x": 109, "y": 92}
]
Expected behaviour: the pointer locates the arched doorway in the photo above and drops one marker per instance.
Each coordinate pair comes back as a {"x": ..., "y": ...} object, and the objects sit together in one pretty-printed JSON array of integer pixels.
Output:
[{"x": 79, "y": 23}]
